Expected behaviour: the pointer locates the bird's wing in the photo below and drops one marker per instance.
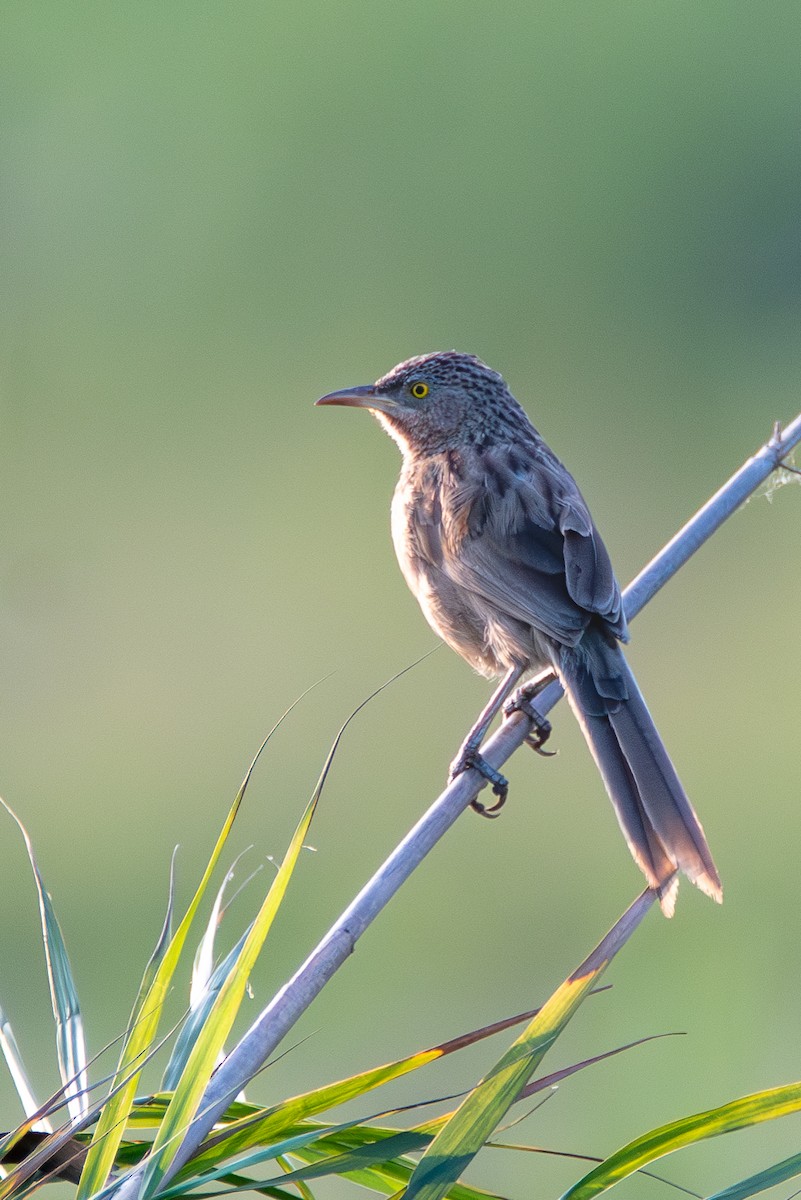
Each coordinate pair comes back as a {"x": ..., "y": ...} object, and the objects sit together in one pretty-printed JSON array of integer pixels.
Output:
[{"x": 525, "y": 540}]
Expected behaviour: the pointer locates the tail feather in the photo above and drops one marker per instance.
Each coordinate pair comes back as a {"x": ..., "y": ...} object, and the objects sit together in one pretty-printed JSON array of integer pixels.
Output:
[
  {"x": 647, "y": 848},
  {"x": 657, "y": 819},
  {"x": 664, "y": 799}
]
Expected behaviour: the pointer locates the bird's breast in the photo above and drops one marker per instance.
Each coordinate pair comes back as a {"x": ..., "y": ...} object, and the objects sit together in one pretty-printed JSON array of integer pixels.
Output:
[{"x": 427, "y": 530}]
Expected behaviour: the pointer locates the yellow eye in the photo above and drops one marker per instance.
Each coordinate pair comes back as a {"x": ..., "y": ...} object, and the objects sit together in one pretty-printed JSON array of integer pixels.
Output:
[{"x": 419, "y": 390}]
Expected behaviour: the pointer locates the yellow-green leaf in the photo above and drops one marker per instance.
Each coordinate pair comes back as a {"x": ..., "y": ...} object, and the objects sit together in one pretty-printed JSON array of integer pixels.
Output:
[
  {"x": 465, "y": 1133},
  {"x": 737, "y": 1114},
  {"x": 203, "y": 1057}
]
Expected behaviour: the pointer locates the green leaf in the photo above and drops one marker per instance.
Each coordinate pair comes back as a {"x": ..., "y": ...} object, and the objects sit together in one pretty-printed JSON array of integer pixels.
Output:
[
  {"x": 163, "y": 940},
  {"x": 375, "y": 1152},
  {"x": 780, "y": 1172},
  {"x": 146, "y": 1014},
  {"x": 147, "y": 1010},
  {"x": 258, "y": 1125},
  {"x": 70, "y": 1042},
  {"x": 389, "y": 1177},
  {"x": 465, "y": 1133},
  {"x": 142, "y": 1030},
  {"x": 210, "y": 1040},
  {"x": 737, "y": 1114},
  {"x": 197, "y": 1018},
  {"x": 16, "y": 1068}
]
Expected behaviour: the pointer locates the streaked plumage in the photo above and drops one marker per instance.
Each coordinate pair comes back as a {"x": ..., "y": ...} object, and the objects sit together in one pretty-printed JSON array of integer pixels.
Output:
[{"x": 496, "y": 542}]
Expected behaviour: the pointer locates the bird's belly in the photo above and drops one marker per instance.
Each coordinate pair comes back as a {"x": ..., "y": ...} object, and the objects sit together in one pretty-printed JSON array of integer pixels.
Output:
[
  {"x": 472, "y": 624},
  {"x": 450, "y": 614},
  {"x": 487, "y": 638}
]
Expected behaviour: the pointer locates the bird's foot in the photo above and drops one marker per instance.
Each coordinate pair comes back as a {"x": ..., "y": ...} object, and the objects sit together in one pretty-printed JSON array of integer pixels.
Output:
[
  {"x": 522, "y": 702},
  {"x": 500, "y": 785}
]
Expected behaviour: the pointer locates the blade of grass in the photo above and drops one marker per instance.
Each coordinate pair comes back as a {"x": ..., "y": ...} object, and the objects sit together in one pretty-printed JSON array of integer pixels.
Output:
[
  {"x": 465, "y": 1133},
  {"x": 211, "y": 1038},
  {"x": 388, "y": 1151},
  {"x": 304, "y": 1192},
  {"x": 257, "y": 1129},
  {"x": 737, "y": 1114},
  {"x": 259, "y": 1125},
  {"x": 70, "y": 1042},
  {"x": 147, "y": 1010},
  {"x": 144, "y": 1023},
  {"x": 203, "y": 966},
  {"x": 381, "y": 1151},
  {"x": 780, "y": 1172},
  {"x": 50, "y": 1145},
  {"x": 196, "y": 1020},
  {"x": 209, "y": 1112},
  {"x": 16, "y": 1069},
  {"x": 163, "y": 940},
  {"x": 287, "y": 1145}
]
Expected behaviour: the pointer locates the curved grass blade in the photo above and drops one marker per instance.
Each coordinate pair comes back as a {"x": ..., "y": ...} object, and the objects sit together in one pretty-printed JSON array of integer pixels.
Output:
[
  {"x": 556, "y": 1077},
  {"x": 206, "y": 982},
  {"x": 304, "y": 1192},
  {"x": 70, "y": 1042},
  {"x": 257, "y": 1125},
  {"x": 197, "y": 1018},
  {"x": 287, "y": 1145},
  {"x": 249, "y": 1056},
  {"x": 147, "y": 1011},
  {"x": 388, "y": 1151},
  {"x": 203, "y": 966},
  {"x": 50, "y": 1147},
  {"x": 737, "y": 1114},
  {"x": 254, "y": 1129},
  {"x": 377, "y": 1152},
  {"x": 474, "y": 1121},
  {"x": 143, "y": 1025},
  {"x": 16, "y": 1069},
  {"x": 163, "y": 940},
  {"x": 211, "y": 1038},
  {"x": 780, "y": 1172},
  {"x": 385, "y": 1177}
]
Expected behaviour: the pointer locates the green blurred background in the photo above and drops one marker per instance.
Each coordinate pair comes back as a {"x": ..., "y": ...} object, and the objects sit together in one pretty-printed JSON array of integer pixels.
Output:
[{"x": 211, "y": 214}]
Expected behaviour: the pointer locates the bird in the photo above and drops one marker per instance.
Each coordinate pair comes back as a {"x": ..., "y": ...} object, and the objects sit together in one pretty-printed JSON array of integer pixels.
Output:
[{"x": 497, "y": 544}]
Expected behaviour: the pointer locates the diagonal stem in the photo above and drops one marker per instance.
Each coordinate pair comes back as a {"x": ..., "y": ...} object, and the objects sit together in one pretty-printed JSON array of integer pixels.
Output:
[{"x": 275, "y": 1021}]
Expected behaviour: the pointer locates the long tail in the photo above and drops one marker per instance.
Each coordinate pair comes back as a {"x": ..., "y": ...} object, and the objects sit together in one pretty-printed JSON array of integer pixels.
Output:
[{"x": 658, "y": 821}]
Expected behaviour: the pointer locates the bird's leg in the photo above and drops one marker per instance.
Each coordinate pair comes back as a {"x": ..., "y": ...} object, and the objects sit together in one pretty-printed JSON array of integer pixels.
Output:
[
  {"x": 468, "y": 755},
  {"x": 521, "y": 701}
]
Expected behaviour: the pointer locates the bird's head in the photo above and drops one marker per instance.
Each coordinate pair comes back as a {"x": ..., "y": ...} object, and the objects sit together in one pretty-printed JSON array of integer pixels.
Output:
[{"x": 436, "y": 402}]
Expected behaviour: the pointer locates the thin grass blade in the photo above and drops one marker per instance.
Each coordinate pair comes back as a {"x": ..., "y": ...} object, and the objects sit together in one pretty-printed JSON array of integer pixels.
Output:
[
  {"x": 386, "y": 1152},
  {"x": 288, "y": 1145},
  {"x": 163, "y": 940},
  {"x": 376, "y": 1152},
  {"x": 196, "y": 1020},
  {"x": 389, "y": 1177},
  {"x": 54, "y": 1147},
  {"x": 203, "y": 966},
  {"x": 203, "y": 1056},
  {"x": 70, "y": 1041},
  {"x": 16, "y": 1069},
  {"x": 780, "y": 1172},
  {"x": 736, "y": 1115},
  {"x": 465, "y": 1133},
  {"x": 258, "y": 1125},
  {"x": 147, "y": 1013},
  {"x": 143, "y": 1026}
]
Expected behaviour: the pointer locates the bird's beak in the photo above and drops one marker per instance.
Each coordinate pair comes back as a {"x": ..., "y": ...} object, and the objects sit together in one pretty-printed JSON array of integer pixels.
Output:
[{"x": 360, "y": 397}]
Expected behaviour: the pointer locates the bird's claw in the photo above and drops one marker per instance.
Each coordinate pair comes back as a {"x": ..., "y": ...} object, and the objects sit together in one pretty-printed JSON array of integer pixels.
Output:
[
  {"x": 498, "y": 782},
  {"x": 542, "y": 726}
]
